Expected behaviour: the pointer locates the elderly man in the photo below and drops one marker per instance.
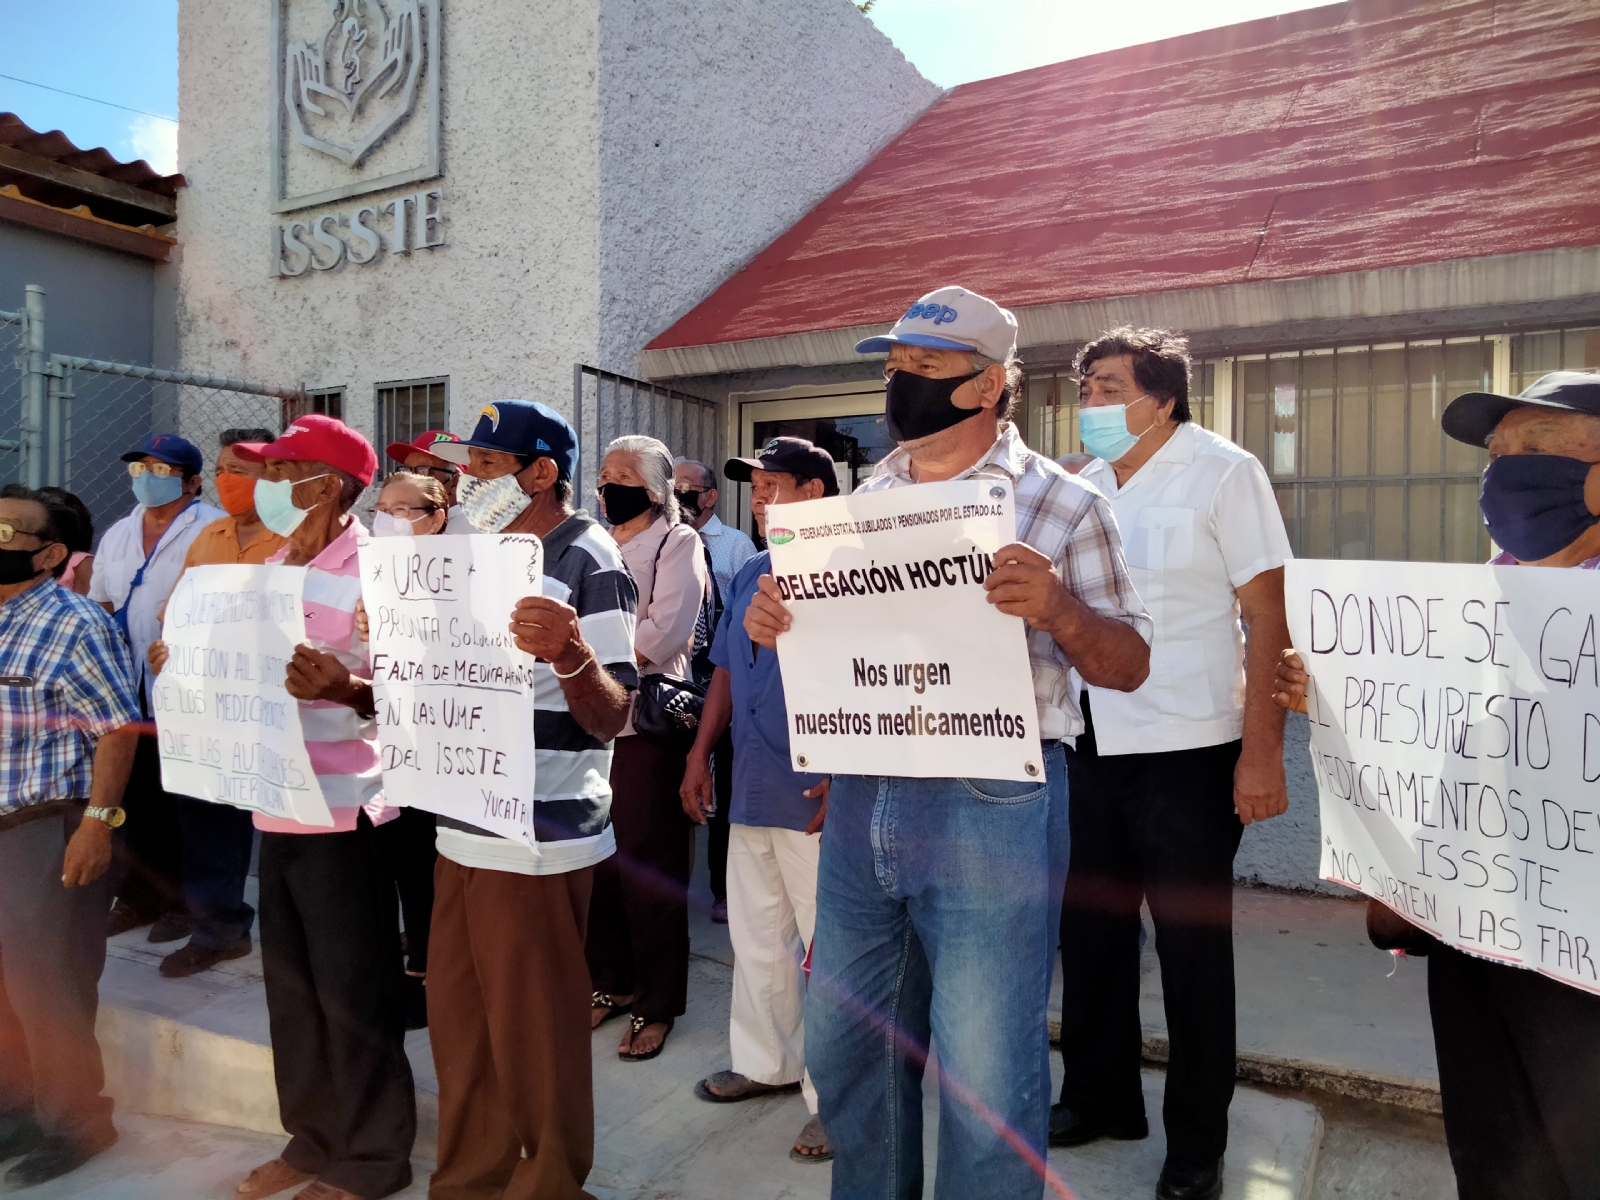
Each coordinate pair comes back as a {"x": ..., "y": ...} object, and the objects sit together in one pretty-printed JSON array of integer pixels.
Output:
[
  {"x": 938, "y": 899},
  {"x": 218, "y": 838},
  {"x": 509, "y": 1000},
  {"x": 419, "y": 456},
  {"x": 775, "y": 815},
  {"x": 1519, "y": 1052},
  {"x": 139, "y": 559},
  {"x": 68, "y": 705},
  {"x": 1164, "y": 779},
  {"x": 330, "y": 944},
  {"x": 727, "y": 550}
]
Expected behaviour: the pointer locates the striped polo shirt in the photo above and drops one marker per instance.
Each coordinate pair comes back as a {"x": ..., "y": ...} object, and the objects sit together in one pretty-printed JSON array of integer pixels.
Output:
[
  {"x": 341, "y": 745},
  {"x": 572, "y": 770}
]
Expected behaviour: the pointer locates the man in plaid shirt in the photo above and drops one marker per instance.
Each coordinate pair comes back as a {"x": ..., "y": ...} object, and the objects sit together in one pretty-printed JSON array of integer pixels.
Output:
[
  {"x": 938, "y": 900},
  {"x": 68, "y": 730}
]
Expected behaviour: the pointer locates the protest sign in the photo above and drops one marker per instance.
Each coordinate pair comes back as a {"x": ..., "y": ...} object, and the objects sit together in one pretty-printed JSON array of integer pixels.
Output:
[
  {"x": 454, "y": 694},
  {"x": 1455, "y": 739},
  {"x": 227, "y": 729},
  {"x": 896, "y": 663}
]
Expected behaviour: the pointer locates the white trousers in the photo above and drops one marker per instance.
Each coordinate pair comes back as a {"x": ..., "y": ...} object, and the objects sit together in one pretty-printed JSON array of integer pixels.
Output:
[{"x": 772, "y": 914}]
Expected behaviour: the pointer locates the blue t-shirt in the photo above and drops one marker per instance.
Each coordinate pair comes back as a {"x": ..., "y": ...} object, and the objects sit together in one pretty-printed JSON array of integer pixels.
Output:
[{"x": 767, "y": 790}]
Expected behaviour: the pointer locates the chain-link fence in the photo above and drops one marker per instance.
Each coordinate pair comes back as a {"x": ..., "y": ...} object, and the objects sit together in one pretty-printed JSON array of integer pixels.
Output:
[
  {"x": 607, "y": 406},
  {"x": 13, "y": 374}
]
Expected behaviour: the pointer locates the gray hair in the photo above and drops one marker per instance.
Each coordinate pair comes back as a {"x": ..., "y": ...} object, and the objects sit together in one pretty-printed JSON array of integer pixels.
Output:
[
  {"x": 708, "y": 477},
  {"x": 654, "y": 462},
  {"x": 1008, "y": 398}
]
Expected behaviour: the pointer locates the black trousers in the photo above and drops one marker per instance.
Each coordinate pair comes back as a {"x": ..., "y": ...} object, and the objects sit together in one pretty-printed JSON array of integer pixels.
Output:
[
  {"x": 1159, "y": 827},
  {"x": 330, "y": 950},
  {"x": 638, "y": 938},
  {"x": 52, "y": 949},
  {"x": 217, "y": 839},
  {"x": 147, "y": 867},
  {"x": 1519, "y": 1075},
  {"x": 408, "y": 846},
  {"x": 717, "y": 823}
]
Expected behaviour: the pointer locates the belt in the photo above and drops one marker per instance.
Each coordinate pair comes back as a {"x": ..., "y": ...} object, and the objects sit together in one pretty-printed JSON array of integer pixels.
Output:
[{"x": 38, "y": 812}]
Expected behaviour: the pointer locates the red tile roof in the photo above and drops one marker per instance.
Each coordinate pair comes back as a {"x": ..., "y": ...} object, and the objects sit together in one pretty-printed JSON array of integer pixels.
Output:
[
  {"x": 56, "y": 147},
  {"x": 1359, "y": 135}
]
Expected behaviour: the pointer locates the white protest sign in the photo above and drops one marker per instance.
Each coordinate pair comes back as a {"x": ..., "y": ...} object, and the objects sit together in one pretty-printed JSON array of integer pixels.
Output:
[
  {"x": 228, "y": 730},
  {"x": 454, "y": 694},
  {"x": 1455, "y": 737},
  {"x": 896, "y": 663}
]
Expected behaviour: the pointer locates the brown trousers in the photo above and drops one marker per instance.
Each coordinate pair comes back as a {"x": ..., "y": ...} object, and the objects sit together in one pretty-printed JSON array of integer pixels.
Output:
[{"x": 508, "y": 1015}]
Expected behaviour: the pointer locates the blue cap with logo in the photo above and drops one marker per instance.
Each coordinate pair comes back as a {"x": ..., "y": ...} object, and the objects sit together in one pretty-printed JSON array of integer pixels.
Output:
[
  {"x": 521, "y": 427},
  {"x": 170, "y": 449},
  {"x": 951, "y": 318}
]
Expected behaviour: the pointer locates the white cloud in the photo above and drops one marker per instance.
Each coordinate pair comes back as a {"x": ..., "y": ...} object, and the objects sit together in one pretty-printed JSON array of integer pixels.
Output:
[{"x": 155, "y": 141}]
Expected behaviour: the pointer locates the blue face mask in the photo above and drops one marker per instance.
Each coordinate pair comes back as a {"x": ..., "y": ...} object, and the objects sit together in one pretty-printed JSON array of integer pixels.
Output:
[
  {"x": 1533, "y": 504},
  {"x": 276, "y": 507},
  {"x": 1103, "y": 430},
  {"x": 153, "y": 491}
]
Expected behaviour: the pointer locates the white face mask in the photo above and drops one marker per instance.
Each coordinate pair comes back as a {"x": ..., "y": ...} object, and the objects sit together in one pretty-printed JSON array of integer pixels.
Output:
[
  {"x": 491, "y": 504},
  {"x": 388, "y": 525}
]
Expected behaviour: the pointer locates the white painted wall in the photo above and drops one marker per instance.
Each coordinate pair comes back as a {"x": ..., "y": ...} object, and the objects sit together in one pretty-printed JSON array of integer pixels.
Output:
[{"x": 571, "y": 235}]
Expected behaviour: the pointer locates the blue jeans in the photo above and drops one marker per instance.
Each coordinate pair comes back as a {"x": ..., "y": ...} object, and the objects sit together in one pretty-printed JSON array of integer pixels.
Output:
[{"x": 938, "y": 904}]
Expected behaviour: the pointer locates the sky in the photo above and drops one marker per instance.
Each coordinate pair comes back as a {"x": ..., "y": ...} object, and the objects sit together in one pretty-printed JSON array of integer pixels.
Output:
[{"x": 125, "y": 52}]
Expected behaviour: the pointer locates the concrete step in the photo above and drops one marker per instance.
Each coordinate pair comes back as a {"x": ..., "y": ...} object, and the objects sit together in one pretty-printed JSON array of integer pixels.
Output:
[{"x": 1318, "y": 1006}]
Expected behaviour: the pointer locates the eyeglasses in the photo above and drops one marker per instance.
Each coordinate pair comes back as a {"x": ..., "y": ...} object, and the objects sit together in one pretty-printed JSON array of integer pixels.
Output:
[
  {"x": 9, "y": 531},
  {"x": 409, "y": 511},
  {"x": 164, "y": 470},
  {"x": 442, "y": 474}
]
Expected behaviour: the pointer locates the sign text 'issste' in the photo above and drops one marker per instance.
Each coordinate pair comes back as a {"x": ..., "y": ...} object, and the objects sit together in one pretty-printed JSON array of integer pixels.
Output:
[{"x": 362, "y": 235}]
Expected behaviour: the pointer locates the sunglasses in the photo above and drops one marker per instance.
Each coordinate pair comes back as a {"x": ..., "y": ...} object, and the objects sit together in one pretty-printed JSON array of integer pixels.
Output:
[
  {"x": 442, "y": 474},
  {"x": 164, "y": 470}
]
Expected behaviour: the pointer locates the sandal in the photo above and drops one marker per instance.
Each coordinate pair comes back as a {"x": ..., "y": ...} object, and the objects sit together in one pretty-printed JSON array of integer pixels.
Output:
[
  {"x": 637, "y": 1028},
  {"x": 735, "y": 1087},
  {"x": 601, "y": 1000},
  {"x": 813, "y": 1137}
]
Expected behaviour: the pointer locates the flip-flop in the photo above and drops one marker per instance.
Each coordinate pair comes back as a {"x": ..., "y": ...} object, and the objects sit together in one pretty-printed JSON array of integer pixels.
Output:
[
  {"x": 813, "y": 1135},
  {"x": 638, "y": 1025},
  {"x": 739, "y": 1087},
  {"x": 613, "y": 1009}
]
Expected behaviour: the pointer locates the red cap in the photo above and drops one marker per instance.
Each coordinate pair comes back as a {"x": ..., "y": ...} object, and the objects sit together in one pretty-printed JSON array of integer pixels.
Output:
[
  {"x": 317, "y": 438},
  {"x": 399, "y": 450}
]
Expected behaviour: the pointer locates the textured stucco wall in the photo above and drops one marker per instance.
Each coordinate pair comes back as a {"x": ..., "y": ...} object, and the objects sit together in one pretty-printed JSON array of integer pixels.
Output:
[
  {"x": 723, "y": 122},
  {"x": 571, "y": 235}
]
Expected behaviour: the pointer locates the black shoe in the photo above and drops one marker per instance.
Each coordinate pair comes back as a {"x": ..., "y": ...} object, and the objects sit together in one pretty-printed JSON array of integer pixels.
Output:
[
  {"x": 1190, "y": 1183},
  {"x": 414, "y": 1002},
  {"x": 19, "y": 1134},
  {"x": 54, "y": 1157},
  {"x": 1068, "y": 1128},
  {"x": 172, "y": 927},
  {"x": 191, "y": 959},
  {"x": 124, "y": 917}
]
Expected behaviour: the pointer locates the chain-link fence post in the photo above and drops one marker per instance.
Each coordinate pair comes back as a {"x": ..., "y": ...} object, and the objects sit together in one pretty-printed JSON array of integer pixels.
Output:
[
  {"x": 34, "y": 388},
  {"x": 60, "y": 421}
]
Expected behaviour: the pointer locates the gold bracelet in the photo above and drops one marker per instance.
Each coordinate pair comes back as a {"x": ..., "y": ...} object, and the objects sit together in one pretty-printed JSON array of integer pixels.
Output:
[{"x": 588, "y": 658}]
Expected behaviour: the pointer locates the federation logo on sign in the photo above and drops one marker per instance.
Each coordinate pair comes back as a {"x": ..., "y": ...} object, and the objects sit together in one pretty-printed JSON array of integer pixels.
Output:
[{"x": 780, "y": 537}]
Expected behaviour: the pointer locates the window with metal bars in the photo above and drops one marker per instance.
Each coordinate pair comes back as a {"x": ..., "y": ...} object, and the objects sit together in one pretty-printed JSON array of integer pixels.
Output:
[
  {"x": 409, "y": 408},
  {"x": 328, "y": 401}
]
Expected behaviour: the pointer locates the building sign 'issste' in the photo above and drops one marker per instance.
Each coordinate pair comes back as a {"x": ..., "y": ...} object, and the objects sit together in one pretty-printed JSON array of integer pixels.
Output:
[{"x": 355, "y": 112}]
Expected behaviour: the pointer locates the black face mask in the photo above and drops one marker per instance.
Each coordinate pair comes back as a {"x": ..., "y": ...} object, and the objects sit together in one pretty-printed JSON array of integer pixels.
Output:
[
  {"x": 689, "y": 502},
  {"x": 919, "y": 406},
  {"x": 16, "y": 566},
  {"x": 624, "y": 503}
]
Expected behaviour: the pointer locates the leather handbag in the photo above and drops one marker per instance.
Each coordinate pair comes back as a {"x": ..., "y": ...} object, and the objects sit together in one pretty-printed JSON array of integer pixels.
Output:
[{"x": 666, "y": 708}]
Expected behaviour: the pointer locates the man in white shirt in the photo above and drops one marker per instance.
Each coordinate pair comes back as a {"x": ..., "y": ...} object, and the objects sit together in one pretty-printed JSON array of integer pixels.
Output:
[
  {"x": 139, "y": 560},
  {"x": 1165, "y": 778},
  {"x": 727, "y": 549}
]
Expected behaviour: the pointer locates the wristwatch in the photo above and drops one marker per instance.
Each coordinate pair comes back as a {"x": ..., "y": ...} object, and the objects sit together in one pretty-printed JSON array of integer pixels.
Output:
[{"x": 113, "y": 817}]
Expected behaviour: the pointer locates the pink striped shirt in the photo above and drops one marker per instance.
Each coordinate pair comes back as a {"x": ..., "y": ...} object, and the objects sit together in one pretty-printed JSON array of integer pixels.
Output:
[{"x": 342, "y": 745}]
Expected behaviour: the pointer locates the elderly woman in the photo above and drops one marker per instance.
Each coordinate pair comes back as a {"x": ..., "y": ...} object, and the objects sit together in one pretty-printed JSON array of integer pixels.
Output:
[
  {"x": 411, "y": 505},
  {"x": 638, "y": 937}
]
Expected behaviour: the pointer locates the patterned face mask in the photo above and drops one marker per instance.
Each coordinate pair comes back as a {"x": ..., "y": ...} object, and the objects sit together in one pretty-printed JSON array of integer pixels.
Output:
[{"x": 491, "y": 504}]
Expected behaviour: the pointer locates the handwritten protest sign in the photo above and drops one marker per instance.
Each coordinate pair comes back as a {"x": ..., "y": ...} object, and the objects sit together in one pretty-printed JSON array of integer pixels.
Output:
[
  {"x": 227, "y": 729},
  {"x": 1455, "y": 738},
  {"x": 896, "y": 663},
  {"x": 454, "y": 694}
]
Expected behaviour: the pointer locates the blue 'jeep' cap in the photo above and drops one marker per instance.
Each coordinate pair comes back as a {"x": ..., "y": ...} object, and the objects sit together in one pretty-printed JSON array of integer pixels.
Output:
[
  {"x": 170, "y": 449},
  {"x": 1472, "y": 417},
  {"x": 522, "y": 427}
]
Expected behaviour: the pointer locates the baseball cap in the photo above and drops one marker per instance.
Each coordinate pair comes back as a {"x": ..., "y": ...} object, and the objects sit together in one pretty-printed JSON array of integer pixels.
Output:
[
  {"x": 317, "y": 438},
  {"x": 1471, "y": 417},
  {"x": 522, "y": 427},
  {"x": 399, "y": 450},
  {"x": 951, "y": 318},
  {"x": 170, "y": 449},
  {"x": 795, "y": 456}
]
